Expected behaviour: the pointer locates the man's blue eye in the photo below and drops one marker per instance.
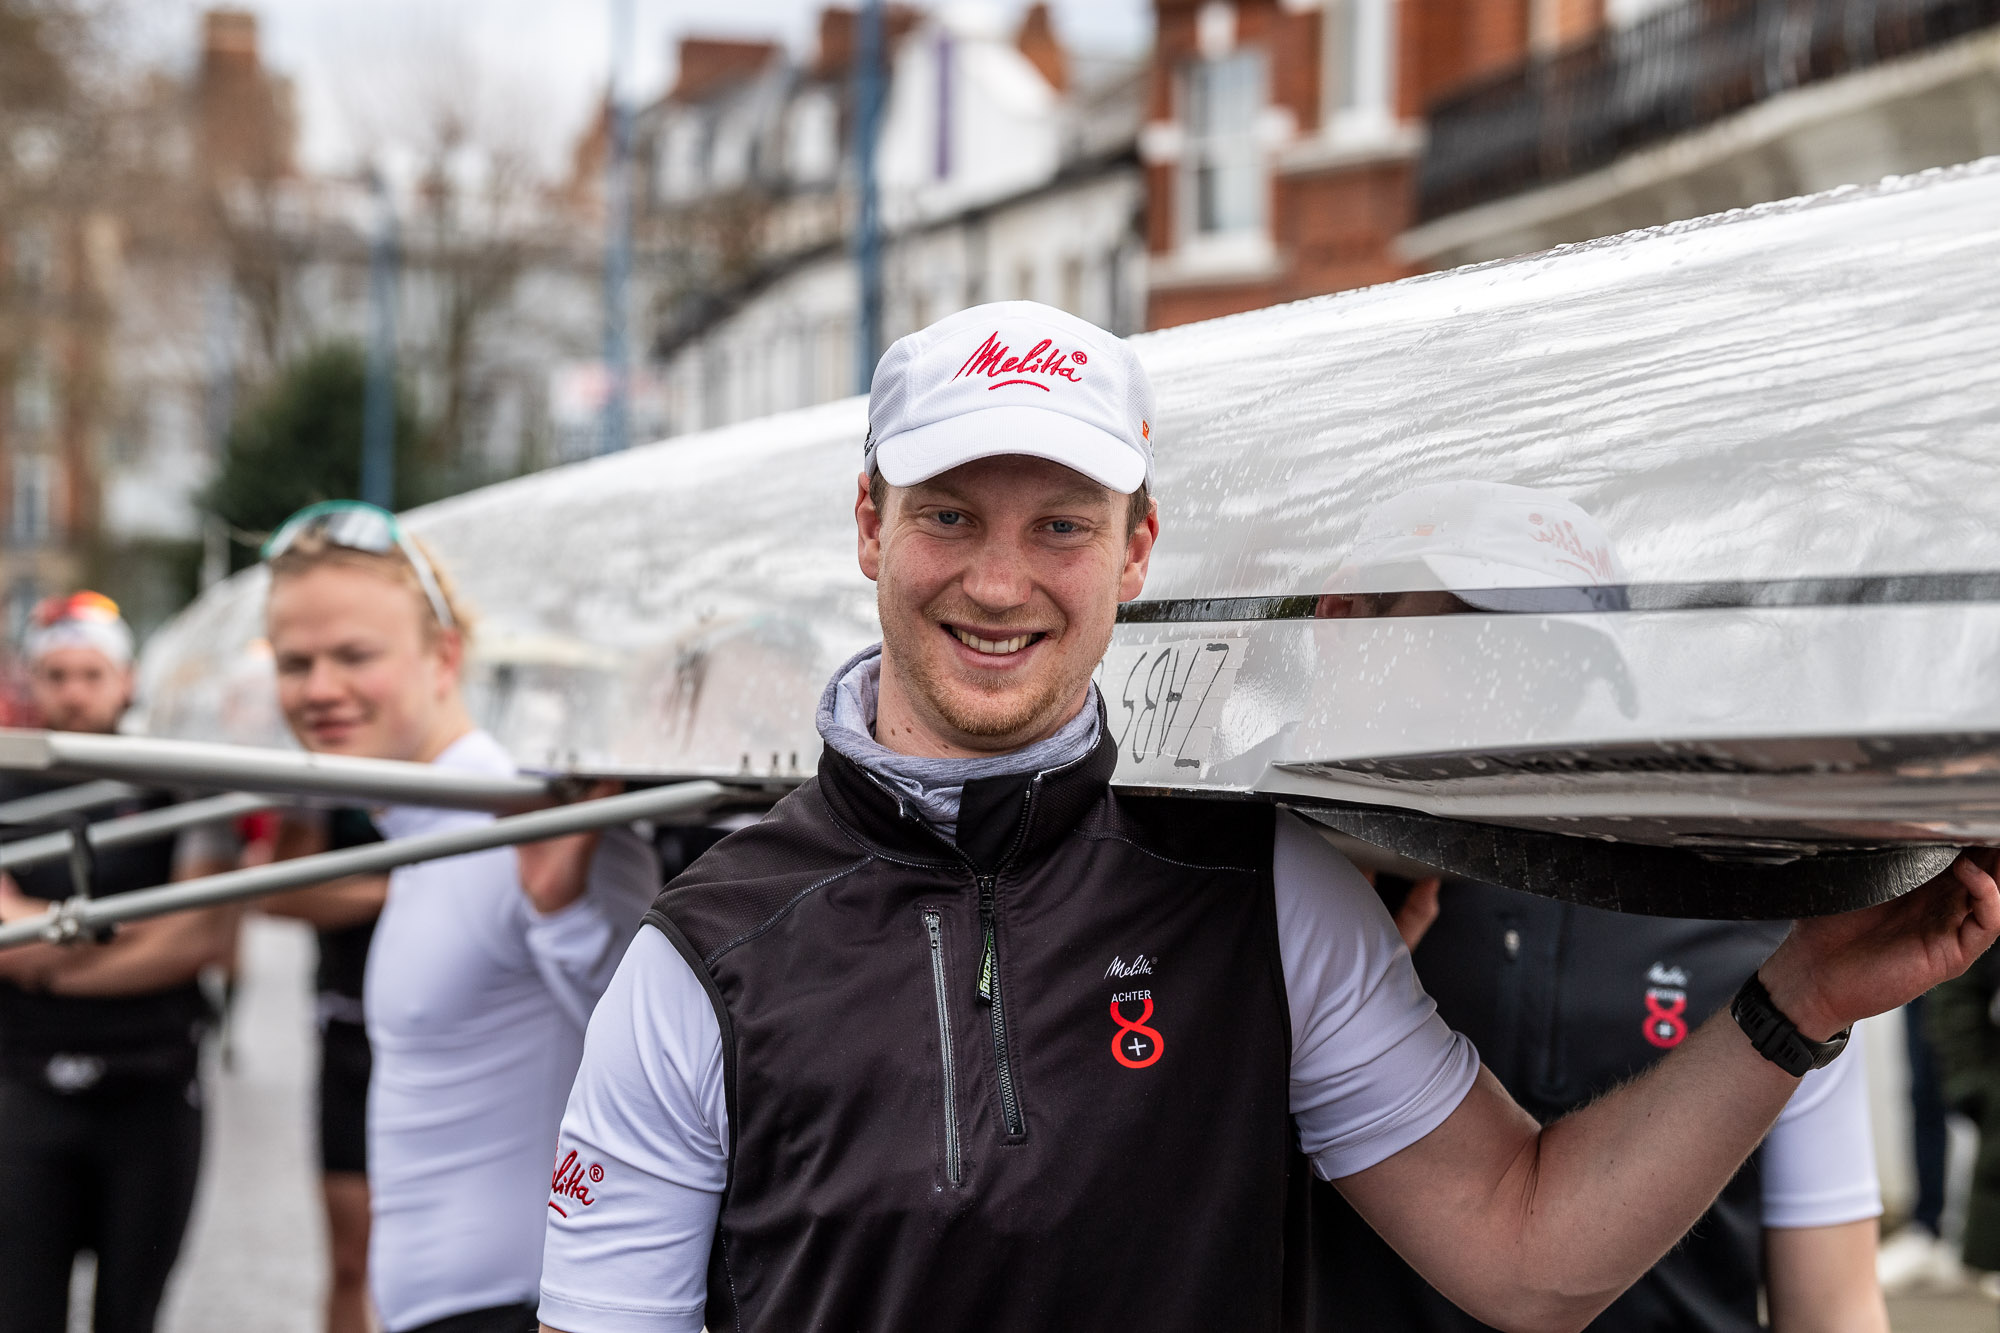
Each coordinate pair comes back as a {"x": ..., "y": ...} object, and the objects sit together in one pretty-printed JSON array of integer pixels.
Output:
[
  {"x": 949, "y": 517},
  {"x": 1064, "y": 526}
]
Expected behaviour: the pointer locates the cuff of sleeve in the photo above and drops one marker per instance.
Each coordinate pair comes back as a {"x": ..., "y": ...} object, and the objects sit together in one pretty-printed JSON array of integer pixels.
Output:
[
  {"x": 576, "y": 929},
  {"x": 1824, "y": 1210},
  {"x": 574, "y": 1315},
  {"x": 1426, "y": 1111}
]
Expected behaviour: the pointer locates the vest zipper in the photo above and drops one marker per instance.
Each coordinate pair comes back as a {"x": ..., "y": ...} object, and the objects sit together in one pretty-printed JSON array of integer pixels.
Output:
[
  {"x": 990, "y": 994},
  {"x": 952, "y": 1157}
]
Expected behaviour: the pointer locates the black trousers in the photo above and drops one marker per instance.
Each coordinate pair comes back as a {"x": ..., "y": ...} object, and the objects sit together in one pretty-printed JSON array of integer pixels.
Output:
[{"x": 110, "y": 1170}]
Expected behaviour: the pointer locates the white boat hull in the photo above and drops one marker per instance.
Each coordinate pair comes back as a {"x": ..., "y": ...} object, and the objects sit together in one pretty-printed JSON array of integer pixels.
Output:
[{"x": 1788, "y": 419}]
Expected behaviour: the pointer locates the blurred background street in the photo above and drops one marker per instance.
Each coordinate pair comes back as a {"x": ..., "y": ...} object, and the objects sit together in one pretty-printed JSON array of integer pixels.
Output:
[{"x": 256, "y": 255}]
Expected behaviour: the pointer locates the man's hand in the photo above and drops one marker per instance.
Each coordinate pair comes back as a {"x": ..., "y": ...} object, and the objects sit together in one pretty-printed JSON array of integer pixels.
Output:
[
  {"x": 1419, "y": 912},
  {"x": 1834, "y": 970},
  {"x": 27, "y": 965},
  {"x": 555, "y": 872}
]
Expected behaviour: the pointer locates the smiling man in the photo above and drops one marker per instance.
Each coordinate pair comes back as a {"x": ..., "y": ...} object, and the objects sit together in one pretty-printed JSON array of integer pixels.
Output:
[{"x": 961, "y": 1038}]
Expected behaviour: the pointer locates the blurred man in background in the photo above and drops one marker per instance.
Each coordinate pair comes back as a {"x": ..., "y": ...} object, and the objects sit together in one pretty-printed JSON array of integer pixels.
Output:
[
  {"x": 1965, "y": 1025},
  {"x": 100, "y": 1102},
  {"x": 1566, "y": 1002}
]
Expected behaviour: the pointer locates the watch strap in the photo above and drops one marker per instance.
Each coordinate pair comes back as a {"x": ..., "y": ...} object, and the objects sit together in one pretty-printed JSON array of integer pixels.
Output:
[{"x": 1776, "y": 1037}]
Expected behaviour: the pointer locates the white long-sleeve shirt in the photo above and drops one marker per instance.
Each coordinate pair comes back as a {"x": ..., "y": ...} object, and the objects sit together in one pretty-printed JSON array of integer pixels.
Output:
[
  {"x": 1373, "y": 1070},
  {"x": 476, "y": 1009}
]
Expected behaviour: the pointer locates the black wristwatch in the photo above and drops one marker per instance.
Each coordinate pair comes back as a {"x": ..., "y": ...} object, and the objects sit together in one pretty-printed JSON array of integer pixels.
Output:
[{"x": 1776, "y": 1037}]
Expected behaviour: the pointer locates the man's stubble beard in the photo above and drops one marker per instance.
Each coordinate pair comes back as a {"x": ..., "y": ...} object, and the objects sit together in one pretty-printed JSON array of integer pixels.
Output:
[{"x": 1037, "y": 713}]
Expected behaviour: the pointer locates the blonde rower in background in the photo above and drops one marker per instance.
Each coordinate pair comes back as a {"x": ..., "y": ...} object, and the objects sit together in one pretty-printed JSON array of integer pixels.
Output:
[{"x": 483, "y": 969}]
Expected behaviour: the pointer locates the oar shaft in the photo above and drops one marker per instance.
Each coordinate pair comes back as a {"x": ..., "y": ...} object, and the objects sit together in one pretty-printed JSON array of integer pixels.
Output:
[
  {"x": 128, "y": 829},
  {"x": 85, "y": 916},
  {"x": 144, "y": 759}
]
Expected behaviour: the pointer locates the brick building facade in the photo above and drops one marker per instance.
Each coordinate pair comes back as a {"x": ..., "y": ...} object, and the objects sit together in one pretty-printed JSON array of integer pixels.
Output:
[
  {"x": 1283, "y": 135},
  {"x": 1297, "y": 147}
]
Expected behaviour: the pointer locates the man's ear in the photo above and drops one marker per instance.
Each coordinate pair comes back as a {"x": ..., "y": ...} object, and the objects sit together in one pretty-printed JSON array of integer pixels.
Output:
[
  {"x": 1139, "y": 554},
  {"x": 867, "y": 531},
  {"x": 451, "y": 655}
]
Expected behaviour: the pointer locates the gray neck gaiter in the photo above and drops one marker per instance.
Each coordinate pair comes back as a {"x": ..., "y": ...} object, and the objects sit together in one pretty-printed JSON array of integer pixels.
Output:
[{"x": 930, "y": 788}]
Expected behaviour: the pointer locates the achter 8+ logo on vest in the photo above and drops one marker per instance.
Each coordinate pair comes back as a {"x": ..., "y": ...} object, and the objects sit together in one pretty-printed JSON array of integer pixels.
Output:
[{"x": 1135, "y": 1043}]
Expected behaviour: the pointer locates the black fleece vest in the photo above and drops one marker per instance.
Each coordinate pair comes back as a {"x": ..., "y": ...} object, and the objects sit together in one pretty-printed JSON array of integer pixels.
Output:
[
  {"x": 1565, "y": 1003},
  {"x": 1036, "y": 1081}
]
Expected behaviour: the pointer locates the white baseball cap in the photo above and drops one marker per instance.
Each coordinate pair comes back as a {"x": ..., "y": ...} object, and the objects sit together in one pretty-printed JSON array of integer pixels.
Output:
[
  {"x": 1013, "y": 377},
  {"x": 1471, "y": 538}
]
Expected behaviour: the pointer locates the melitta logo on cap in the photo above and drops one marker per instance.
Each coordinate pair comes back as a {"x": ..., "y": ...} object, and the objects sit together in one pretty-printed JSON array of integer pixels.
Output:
[{"x": 993, "y": 360}]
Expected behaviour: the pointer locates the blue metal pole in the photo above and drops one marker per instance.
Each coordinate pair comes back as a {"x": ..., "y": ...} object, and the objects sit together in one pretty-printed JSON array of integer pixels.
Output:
[
  {"x": 618, "y": 241},
  {"x": 868, "y": 87},
  {"x": 378, "y": 411}
]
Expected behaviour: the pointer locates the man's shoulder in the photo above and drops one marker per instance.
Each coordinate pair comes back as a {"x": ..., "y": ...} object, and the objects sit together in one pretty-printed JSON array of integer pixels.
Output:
[
  {"x": 1195, "y": 831},
  {"x": 756, "y": 873}
]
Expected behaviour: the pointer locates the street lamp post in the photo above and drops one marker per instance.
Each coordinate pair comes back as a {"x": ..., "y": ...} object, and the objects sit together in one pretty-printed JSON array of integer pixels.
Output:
[
  {"x": 378, "y": 409},
  {"x": 868, "y": 89},
  {"x": 618, "y": 240}
]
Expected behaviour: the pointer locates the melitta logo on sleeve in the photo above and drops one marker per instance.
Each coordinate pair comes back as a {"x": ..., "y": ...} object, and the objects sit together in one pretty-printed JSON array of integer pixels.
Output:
[
  {"x": 570, "y": 1186},
  {"x": 995, "y": 359}
]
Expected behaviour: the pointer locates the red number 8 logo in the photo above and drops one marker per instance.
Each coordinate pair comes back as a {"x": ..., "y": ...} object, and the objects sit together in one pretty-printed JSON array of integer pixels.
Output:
[
  {"x": 1129, "y": 1043},
  {"x": 1664, "y": 1026}
]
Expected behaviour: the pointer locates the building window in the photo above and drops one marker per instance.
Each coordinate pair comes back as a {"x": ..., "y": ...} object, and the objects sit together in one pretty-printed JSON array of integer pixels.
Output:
[
  {"x": 1223, "y": 185},
  {"x": 679, "y": 168},
  {"x": 31, "y": 523},
  {"x": 1628, "y": 13},
  {"x": 1356, "y": 62},
  {"x": 33, "y": 258},
  {"x": 813, "y": 139},
  {"x": 34, "y": 397}
]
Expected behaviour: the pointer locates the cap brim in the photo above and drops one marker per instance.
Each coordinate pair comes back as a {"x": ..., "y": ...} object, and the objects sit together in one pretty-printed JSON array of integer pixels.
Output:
[
  {"x": 1034, "y": 432},
  {"x": 1480, "y": 582}
]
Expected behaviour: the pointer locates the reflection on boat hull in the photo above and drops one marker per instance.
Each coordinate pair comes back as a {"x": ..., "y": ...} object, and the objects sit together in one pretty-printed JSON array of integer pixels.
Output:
[{"x": 1785, "y": 418}]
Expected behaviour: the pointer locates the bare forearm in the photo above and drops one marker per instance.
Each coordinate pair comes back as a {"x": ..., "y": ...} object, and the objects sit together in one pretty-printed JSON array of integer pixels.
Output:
[
  {"x": 1555, "y": 1222},
  {"x": 148, "y": 956},
  {"x": 1822, "y": 1279},
  {"x": 1613, "y": 1186},
  {"x": 333, "y": 906}
]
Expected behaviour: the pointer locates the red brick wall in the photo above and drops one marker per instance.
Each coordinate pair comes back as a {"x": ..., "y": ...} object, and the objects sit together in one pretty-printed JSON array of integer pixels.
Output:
[
  {"x": 1577, "y": 19},
  {"x": 1445, "y": 43},
  {"x": 1037, "y": 41},
  {"x": 1336, "y": 228},
  {"x": 1185, "y": 305}
]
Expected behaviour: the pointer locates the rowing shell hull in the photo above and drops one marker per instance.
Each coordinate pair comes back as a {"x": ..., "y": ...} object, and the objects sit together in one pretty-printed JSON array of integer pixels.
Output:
[{"x": 1788, "y": 420}]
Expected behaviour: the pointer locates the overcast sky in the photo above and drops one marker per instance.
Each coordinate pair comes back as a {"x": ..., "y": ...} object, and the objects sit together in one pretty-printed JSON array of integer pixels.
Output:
[{"x": 535, "y": 66}]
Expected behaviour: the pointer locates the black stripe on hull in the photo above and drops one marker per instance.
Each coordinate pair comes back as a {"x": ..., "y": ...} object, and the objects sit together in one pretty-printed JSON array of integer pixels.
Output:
[{"x": 1724, "y": 595}]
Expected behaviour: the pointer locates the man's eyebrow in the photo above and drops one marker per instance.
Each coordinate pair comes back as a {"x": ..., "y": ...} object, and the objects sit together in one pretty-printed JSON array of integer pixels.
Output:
[{"x": 1081, "y": 496}]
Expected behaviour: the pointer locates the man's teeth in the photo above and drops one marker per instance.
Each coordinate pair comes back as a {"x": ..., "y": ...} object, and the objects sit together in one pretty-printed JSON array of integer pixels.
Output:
[{"x": 996, "y": 646}]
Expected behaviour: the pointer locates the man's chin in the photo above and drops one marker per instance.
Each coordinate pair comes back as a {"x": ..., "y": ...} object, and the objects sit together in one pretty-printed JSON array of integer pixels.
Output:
[{"x": 1006, "y": 722}]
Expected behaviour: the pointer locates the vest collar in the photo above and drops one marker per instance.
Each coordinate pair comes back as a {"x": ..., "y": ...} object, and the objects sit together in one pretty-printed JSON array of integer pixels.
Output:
[{"x": 1002, "y": 821}]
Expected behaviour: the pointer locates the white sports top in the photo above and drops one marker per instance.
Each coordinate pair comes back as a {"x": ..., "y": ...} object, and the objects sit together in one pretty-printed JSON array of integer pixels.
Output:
[
  {"x": 476, "y": 1008},
  {"x": 1374, "y": 1069}
]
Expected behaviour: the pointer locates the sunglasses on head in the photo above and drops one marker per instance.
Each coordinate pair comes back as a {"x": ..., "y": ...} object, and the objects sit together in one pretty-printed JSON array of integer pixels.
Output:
[{"x": 357, "y": 525}]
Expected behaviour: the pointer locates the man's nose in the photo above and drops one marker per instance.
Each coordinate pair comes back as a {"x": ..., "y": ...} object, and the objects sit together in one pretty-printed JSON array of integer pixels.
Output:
[
  {"x": 322, "y": 681},
  {"x": 999, "y": 577}
]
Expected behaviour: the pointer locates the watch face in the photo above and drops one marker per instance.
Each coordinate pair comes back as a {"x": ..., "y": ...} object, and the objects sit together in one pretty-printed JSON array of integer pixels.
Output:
[{"x": 1830, "y": 1049}]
